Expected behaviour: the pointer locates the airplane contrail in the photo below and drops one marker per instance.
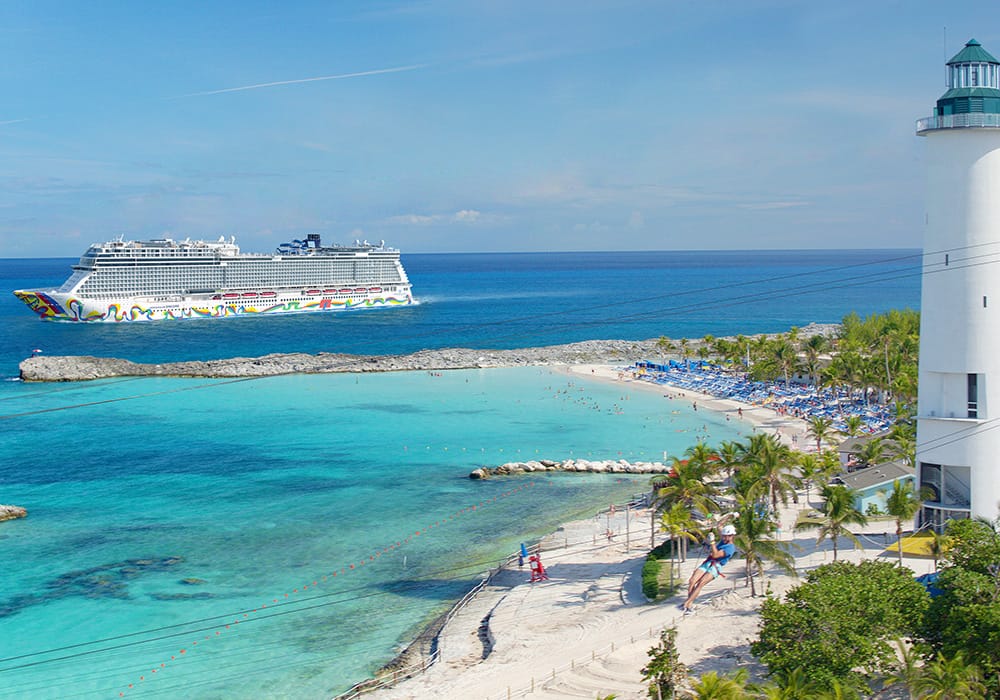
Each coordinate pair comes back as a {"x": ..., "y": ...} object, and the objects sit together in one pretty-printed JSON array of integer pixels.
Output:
[
  {"x": 15, "y": 121},
  {"x": 380, "y": 71}
]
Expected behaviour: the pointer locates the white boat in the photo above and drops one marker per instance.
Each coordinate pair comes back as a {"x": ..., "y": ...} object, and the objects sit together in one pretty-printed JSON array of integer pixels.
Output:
[{"x": 165, "y": 279}]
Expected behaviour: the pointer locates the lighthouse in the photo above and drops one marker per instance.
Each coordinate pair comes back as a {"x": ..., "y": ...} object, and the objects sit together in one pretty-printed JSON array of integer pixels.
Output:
[{"x": 958, "y": 414}]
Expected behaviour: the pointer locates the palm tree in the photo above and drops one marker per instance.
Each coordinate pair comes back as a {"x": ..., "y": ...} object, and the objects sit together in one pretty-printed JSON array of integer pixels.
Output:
[
  {"x": 853, "y": 425},
  {"x": 907, "y": 669},
  {"x": 810, "y": 470},
  {"x": 706, "y": 347},
  {"x": 785, "y": 357},
  {"x": 688, "y": 485},
  {"x": 712, "y": 686},
  {"x": 664, "y": 345},
  {"x": 814, "y": 346},
  {"x": 902, "y": 504},
  {"x": 685, "y": 350},
  {"x": 836, "y": 691},
  {"x": 742, "y": 347},
  {"x": 755, "y": 532},
  {"x": 771, "y": 464},
  {"x": 872, "y": 452},
  {"x": 820, "y": 429},
  {"x": 791, "y": 685},
  {"x": 903, "y": 442},
  {"x": 702, "y": 458},
  {"x": 729, "y": 457},
  {"x": 938, "y": 546},
  {"x": 679, "y": 526},
  {"x": 950, "y": 679},
  {"x": 838, "y": 512}
]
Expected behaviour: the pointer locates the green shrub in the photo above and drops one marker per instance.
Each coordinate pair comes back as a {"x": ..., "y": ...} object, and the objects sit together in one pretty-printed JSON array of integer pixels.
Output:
[
  {"x": 651, "y": 576},
  {"x": 664, "y": 550}
]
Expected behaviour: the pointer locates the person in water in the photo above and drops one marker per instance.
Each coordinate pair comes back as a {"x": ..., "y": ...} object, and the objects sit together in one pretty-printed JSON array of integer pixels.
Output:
[{"x": 710, "y": 569}]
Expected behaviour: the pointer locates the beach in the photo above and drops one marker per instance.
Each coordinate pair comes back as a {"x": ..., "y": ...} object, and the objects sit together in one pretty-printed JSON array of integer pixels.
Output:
[{"x": 585, "y": 631}]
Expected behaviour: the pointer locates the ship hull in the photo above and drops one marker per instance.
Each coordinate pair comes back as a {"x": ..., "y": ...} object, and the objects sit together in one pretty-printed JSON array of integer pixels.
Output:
[{"x": 56, "y": 306}]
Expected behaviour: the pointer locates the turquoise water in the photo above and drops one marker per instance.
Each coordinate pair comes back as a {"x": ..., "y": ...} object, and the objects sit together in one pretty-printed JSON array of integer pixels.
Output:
[
  {"x": 261, "y": 488},
  {"x": 254, "y": 490}
]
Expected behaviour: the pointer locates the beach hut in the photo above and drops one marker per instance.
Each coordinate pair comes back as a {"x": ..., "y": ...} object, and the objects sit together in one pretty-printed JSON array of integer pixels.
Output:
[{"x": 873, "y": 484}]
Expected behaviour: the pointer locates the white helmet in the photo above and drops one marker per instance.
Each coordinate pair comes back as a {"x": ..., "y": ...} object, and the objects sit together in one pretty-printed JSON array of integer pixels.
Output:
[{"x": 728, "y": 530}]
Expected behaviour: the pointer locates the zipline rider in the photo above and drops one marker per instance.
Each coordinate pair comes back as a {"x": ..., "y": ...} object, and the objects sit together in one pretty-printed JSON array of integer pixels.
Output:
[{"x": 710, "y": 569}]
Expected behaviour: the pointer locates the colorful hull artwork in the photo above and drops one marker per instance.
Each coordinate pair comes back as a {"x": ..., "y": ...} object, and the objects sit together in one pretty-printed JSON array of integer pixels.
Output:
[{"x": 76, "y": 310}]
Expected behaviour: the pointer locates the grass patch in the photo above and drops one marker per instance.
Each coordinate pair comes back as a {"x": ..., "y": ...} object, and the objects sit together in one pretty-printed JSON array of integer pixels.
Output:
[{"x": 656, "y": 574}]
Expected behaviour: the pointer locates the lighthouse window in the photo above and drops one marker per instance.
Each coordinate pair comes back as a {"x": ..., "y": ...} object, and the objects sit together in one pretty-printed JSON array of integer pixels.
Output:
[
  {"x": 973, "y": 395},
  {"x": 974, "y": 77}
]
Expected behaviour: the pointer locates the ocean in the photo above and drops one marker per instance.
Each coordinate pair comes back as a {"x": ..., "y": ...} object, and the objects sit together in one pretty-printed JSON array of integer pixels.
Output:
[{"x": 284, "y": 537}]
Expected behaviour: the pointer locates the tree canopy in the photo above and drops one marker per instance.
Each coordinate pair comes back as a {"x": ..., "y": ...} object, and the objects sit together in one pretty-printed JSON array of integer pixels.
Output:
[{"x": 840, "y": 622}]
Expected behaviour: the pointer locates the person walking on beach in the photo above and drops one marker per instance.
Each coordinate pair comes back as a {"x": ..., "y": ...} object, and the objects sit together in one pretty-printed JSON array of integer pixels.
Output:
[{"x": 710, "y": 569}]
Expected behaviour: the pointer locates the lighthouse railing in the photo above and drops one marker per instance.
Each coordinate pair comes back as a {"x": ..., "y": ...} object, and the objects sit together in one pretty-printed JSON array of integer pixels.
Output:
[{"x": 959, "y": 121}]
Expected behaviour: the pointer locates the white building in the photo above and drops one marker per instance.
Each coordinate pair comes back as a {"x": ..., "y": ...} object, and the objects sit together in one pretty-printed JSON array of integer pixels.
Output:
[{"x": 958, "y": 421}]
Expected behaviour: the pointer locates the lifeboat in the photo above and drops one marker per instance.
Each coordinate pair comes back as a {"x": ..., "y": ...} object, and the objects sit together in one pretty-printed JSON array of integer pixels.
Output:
[
  {"x": 329, "y": 291},
  {"x": 346, "y": 291},
  {"x": 249, "y": 295},
  {"x": 313, "y": 292},
  {"x": 269, "y": 294},
  {"x": 216, "y": 297},
  {"x": 360, "y": 290},
  {"x": 230, "y": 296},
  {"x": 376, "y": 290}
]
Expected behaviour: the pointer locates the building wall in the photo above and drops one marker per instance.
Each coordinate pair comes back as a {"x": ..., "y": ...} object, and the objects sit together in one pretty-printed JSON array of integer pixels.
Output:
[
  {"x": 876, "y": 495},
  {"x": 960, "y": 325}
]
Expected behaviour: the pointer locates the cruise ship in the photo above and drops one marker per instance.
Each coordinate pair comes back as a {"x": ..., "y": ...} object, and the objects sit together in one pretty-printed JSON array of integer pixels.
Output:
[{"x": 159, "y": 279}]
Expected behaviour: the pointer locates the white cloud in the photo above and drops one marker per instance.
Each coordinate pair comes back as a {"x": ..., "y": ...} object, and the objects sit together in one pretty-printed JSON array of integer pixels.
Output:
[
  {"x": 466, "y": 216},
  {"x": 463, "y": 216},
  {"x": 765, "y": 206}
]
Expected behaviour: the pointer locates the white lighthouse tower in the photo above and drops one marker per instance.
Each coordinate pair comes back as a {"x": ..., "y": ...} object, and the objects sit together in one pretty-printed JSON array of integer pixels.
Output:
[{"x": 958, "y": 418}]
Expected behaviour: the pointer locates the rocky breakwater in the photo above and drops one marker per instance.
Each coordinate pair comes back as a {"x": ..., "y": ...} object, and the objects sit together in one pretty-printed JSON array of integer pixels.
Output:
[
  {"x": 72, "y": 368},
  {"x": 584, "y": 466},
  {"x": 12, "y": 512},
  {"x": 69, "y": 368}
]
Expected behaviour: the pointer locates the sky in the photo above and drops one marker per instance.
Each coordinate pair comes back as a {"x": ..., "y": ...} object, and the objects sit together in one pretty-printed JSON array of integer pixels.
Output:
[{"x": 456, "y": 126}]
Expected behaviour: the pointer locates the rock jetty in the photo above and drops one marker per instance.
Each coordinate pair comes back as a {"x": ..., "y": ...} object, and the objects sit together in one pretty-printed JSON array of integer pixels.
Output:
[
  {"x": 44, "y": 368},
  {"x": 12, "y": 512},
  {"x": 571, "y": 465},
  {"x": 72, "y": 368}
]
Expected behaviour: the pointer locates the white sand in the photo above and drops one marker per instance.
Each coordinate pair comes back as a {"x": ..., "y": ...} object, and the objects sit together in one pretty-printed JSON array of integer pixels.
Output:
[{"x": 585, "y": 632}]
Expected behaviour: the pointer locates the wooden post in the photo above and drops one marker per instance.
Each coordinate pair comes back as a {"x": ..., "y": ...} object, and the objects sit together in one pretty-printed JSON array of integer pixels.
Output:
[{"x": 627, "y": 533}]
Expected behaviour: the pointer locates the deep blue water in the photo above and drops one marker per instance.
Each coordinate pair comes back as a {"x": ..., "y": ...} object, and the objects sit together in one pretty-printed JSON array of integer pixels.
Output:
[
  {"x": 258, "y": 489},
  {"x": 505, "y": 300}
]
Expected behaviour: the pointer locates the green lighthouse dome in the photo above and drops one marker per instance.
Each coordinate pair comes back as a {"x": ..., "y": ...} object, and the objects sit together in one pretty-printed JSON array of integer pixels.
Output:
[{"x": 973, "y": 83}]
